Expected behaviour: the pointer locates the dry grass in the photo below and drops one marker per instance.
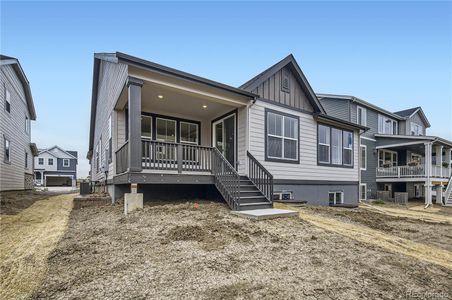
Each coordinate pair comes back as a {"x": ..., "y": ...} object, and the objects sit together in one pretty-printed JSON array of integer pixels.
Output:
[{"x": 26, "y": 240}]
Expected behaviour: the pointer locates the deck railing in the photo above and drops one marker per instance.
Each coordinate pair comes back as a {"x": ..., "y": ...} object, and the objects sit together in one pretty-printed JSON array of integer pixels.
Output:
[
  {"x": 412, "y": 171},
  {"x": 122, "y": 162},
  {"x": 171, "y": 156},
  {"x": 227, "y": 180},
  {"x": 261, "y": 178}
]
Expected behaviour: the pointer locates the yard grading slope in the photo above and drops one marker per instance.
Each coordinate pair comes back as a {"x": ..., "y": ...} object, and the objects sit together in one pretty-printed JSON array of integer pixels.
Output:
[{"x": 26, "y": 241}]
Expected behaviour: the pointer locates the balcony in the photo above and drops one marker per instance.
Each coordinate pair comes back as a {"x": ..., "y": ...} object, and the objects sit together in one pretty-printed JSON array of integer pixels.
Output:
[{"x": 418, "y": 171}]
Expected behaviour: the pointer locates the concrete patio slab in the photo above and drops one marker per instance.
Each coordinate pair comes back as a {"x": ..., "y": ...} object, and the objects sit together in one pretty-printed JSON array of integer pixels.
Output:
[{"x": 264, "y": 214}]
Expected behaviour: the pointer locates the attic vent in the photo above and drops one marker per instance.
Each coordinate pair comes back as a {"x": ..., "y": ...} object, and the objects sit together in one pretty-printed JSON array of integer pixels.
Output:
[{"x": 285, "y": 81}]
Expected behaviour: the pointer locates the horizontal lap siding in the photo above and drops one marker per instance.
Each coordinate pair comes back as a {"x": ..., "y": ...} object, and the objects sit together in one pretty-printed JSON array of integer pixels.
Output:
[
  {"x": 12, "y": 125},
  {"x": 308, "y": 168},
  {"x": 112, "y": 78}
]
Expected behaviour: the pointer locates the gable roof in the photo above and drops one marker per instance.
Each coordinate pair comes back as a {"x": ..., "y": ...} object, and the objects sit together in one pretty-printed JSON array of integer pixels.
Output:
[
  {"x": 360, "y": 102},
  {"x": 57, "y": 147},
  {"x": 408, "y": 113},
  {"x": 14, "y": 62},
  {"x": 292, "y": 63}
]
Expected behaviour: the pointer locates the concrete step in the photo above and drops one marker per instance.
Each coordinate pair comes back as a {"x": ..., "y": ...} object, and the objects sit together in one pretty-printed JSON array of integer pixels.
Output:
[
  {"x": 254, "y": 205},
  {"x": 267, "y": 213}
]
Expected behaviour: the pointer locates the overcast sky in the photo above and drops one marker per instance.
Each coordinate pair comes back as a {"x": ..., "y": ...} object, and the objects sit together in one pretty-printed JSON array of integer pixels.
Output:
[{"x": 395, "y": 55}]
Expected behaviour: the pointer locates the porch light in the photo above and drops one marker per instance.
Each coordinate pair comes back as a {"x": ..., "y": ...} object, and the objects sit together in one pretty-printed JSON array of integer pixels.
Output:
[
  {"x": 204, "y": 106},
  {"x": 160, "y": 96}
]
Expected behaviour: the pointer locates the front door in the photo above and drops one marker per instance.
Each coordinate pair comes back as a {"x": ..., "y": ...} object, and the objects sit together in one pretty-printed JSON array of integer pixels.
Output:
[{"x": 224, "y": 137}]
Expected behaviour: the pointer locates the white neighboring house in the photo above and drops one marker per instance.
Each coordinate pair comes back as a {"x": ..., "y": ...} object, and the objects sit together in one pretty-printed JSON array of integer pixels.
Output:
[
  {"x": 56, "y": 167},
  {"x": 16, "y": 113}
]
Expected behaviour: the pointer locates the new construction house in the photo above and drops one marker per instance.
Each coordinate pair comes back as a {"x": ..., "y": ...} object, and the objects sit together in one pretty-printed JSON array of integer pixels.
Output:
[
  {"x": 56, "y": 167},
  {"x": 178, "y": 135},
  {"x": 398, "y": 156},
  {"x": 16, "y": 113}
]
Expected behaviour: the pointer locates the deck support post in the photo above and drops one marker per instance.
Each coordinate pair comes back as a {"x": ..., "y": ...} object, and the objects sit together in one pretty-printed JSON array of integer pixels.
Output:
[
  {"x": 428, "y": 172},
  {"x": 439, "y": 159},
  {"x": 439, "y": 194},
  {"x": 179, "y": 158},
  {"x": 134, "y": 109}
]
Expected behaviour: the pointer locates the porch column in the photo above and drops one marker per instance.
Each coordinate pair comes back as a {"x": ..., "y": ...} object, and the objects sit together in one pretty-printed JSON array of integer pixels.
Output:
[
  {"x": 439, "y": 158},
  {"x": 428, "y": 172},
  {"x": 134, "y": 109},
  {"x": 439, "y": 194},
  {"x": 447, "y": 158}
]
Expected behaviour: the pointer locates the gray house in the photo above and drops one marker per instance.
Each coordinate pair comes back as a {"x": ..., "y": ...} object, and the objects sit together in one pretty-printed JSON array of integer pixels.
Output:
[
  {"x": 178, "y": 135},
  {"x": 396, "y": 153},
  {"x": 16, "y": 112},
  {"x": 56, "y": 167}
]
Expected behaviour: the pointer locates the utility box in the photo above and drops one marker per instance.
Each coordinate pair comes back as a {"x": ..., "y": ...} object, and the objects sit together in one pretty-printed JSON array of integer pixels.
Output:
[{"x": 85, "y": 188}]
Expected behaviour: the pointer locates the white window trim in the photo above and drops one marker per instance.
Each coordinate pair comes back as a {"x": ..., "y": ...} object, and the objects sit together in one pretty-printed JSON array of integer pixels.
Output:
[
  {"x": 324, "y": 144},
  {"x": 27, "y": 125},
  {"x": 365, "y": 157},
  {"x": 336, "y": 192},
  {"x": 347, "y": 148},
  {"x": 48, "y": 161},
  {"x": 394, "y": 125},
  {"x": 39, "y": 158},
  {"x": 363, "y": 114},
  {"x": 68, "y": 162},
  {"x": 392, "y": 152},
  {"x": 340, "y": 148},
  {"x": 360, "y": 191},
  {"x": 8, "y": 99},
  {"x": 282, "y": 137},
  {"x": 197, "y": 132},
  {"x": 417, "y": 129}
]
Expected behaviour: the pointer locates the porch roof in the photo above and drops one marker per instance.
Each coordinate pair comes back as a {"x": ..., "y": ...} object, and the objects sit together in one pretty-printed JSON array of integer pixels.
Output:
[{"x": 388, "y": 140}]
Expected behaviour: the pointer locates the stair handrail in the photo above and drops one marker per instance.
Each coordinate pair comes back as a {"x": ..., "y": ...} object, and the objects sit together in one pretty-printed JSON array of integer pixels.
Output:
[
  {"x": 227, "y": 180},
  {"x": 448, "y": 190},
  {"x": 260, "y": 177}
]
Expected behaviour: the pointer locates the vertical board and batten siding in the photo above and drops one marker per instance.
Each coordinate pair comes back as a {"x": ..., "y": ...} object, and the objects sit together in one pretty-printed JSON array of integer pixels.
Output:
[
  {"x": 307, "y": 169},
  {"x": 270, "y": 89},
  {"x": 12, "y": 125},
  {"x": 112, "y": 78}
]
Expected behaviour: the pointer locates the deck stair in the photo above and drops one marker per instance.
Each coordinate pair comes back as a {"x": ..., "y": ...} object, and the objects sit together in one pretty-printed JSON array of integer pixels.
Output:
[{"x": 251, "y": 197}]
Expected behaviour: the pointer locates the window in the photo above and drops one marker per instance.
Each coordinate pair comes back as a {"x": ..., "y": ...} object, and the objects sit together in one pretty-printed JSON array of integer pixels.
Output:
[
  {"x": 348, "y": 148},
  {"x": 27, "y": 125},
  {"x": 363, "y": 191},
  {"x": 416, "y": 129},
  {"x": 282, "y": 137},
  {"x": 66, "y": 162},
  {"x": 324, "y": 144},
  {"x": 101, "y": 159},
  {"x": 50, "y": 161},
  {"x": 363, "y": 157},
  {"x": 7, "y": 146},
  {"x": 8, "y": 101},
  {"x": 188, "y": 133},
  {"x": 361, "y": 116},
  {"x": 285, "y": 81},
  {"x": 335, "y": 146},
  {"x": 146, "y": 127},
  {"x": 336, "y": 198},
  {"x": 387, "y": 158},
  {"x": 387, "y": 125},
  {"x": 165, "y": 130},
  {"x": 97, "y": 158},
  {"x": 26, "y": 160},
  {"x": 40, "y": 161}
]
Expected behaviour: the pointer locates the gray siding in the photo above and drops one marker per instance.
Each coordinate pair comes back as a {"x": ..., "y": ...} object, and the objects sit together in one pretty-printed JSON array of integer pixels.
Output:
[
  {"x": 12, "y": 126},
  {"x": 112, "y": 79},
  {"x": 372, "y": 119},
  {"x": 72, "y": 165},
  {"x": 337, "y": 108},
  {"x": 271, "y": 90},
  {"x": 417, "y": 120},
  {"x": 368, "y": 176}
]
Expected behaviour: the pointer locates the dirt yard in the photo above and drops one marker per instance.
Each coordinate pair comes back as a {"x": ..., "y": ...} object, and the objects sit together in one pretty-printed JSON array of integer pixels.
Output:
[
  {"x": 26, "y": 239},
  {"x": 14, "y": 202},
  {"x": 177, "y": 250}
]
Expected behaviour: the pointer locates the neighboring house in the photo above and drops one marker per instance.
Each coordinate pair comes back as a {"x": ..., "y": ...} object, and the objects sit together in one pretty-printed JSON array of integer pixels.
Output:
[
  {"x": 56, "y": 167},
  {"x": 397, "y": 154},
  {"x": 168, "y": 130},
  {"x": 16, "y": 112}
]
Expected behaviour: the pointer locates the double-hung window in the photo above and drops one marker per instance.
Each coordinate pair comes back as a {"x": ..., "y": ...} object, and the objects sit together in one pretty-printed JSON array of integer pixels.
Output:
[
  {"x": 7, "y": 101},
  {"x": 387, "y": 125},
  {"x": 416, "y": 129},
  {"x": 189, "y": 132},
  {"x": 282, "y": 137},
  {"x": 387, "y": 158},
  {"x": 109, "y": 151},
  {"x": 26, "y": 160},
  {"x": 335, "y": 146},
  {"x": 50, "y": 161},
  {"x": 363, "y": 157},
  {"x": 7, "y": 147},
  {"x": 27, "y": 125},
  {"x": 40, "y": 161},
  {"x": 66, "y": 162},
  {"x": 361, "y": 116}
]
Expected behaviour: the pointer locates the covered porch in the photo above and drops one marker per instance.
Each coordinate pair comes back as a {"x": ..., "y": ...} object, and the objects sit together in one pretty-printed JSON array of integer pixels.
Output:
[{"x": 414, "y": 162}]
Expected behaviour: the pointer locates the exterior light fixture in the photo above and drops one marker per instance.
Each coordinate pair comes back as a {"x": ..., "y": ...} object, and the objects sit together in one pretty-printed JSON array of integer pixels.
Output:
[
  {"x": 160, "y": 96},
  {"x": 204, "y": 106}
]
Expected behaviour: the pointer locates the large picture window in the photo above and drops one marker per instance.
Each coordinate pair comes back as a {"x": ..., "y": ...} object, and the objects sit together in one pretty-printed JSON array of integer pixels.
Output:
[
  {"x": 282, "y": 137},
  {"x": 335, "y": 146}
]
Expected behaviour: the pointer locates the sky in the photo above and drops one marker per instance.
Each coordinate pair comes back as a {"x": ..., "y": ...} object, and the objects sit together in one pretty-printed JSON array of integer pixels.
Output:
[{"x": 396, "y": 55}]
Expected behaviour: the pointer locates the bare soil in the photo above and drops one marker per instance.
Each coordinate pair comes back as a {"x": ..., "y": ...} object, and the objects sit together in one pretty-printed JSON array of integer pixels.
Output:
[
  {"x": 174, "y": 250},
  {"x": 13, "y": 202}
]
